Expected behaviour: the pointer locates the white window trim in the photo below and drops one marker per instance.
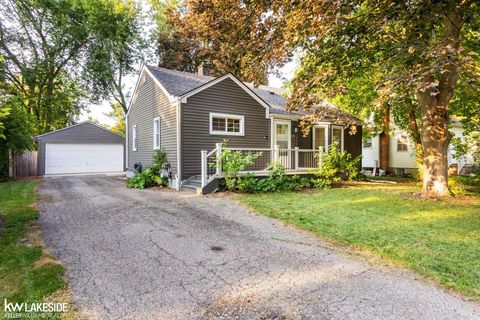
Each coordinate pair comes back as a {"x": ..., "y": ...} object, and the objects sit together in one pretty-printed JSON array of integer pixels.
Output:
[
  {"x": 227, "y": 116},
  {"x": 287, "y": 122},
  {"x": 325, "y": 127},
  {"x": 342, "y": 131},
  {"x": 402, "y": 140},
  {"x": 155, "y": 146},
  {"x": 134, "y": 138}
]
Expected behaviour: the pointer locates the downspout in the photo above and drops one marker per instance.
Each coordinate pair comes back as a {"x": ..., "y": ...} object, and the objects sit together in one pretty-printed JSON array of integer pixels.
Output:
[
  {"x": 179, "y": 143},
  {"x": 126, "y": 142}
]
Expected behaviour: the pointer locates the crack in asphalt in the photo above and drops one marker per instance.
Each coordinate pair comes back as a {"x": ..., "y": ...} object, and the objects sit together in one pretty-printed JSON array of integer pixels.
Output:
[{"x": 134, "y": 254}]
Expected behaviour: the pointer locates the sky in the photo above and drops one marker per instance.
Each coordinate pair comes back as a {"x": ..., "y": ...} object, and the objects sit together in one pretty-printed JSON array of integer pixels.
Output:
[{"x": 99, "y": 111}]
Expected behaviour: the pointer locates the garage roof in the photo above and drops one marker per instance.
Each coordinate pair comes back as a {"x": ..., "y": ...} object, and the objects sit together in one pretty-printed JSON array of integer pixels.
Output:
[{"x": 83, "y": 132}]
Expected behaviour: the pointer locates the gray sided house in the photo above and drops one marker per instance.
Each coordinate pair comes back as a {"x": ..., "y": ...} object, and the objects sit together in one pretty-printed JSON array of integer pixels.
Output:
[
  {"x": 185, "y": 113},
  {"x": 82, "y": 148}
]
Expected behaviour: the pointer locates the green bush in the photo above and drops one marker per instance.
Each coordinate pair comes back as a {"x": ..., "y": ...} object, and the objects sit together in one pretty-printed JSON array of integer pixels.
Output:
[
  {"x": 336, "y": 166},
  {"x": 150, "y": 177},
  {"x": 233, "y": 162},
  {"x": 146, "y": 179},
  {"x": 159, "y": 160},
  {"x": 276, "y": 180}
]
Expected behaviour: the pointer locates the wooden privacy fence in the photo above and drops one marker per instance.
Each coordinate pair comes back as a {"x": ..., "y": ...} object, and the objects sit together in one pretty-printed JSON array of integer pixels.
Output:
[{"x": 24, "y": 165}]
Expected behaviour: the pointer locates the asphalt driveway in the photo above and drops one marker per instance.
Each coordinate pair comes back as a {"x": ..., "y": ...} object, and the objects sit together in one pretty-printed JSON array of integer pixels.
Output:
[{"x": 134, "y": 254}]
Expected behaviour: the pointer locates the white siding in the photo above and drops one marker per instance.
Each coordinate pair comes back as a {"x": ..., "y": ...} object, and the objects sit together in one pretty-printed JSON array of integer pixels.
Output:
[
  {"x": 466, "y": 159},
  {"x": 369, "y": 155},
  {"x": 401, "y": 159}
]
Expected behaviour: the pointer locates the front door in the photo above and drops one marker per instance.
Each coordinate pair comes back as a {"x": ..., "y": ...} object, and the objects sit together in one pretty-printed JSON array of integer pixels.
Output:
[{"x": 282, "y": 138}]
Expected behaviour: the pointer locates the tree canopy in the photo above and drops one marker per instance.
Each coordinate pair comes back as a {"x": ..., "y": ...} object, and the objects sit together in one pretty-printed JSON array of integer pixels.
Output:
[
  {"x": 411, "y": 59},
  {"x": 59, "y": 55}
]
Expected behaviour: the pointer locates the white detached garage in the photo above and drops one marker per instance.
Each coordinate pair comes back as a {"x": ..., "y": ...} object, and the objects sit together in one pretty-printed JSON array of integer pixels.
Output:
[{"x": 82, "y": 148}]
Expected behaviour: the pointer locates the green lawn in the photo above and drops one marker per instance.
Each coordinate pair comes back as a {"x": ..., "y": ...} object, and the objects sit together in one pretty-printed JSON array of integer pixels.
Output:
[
  {"x": 438, "y": 239},
  {"x": 27, "y": 274}
]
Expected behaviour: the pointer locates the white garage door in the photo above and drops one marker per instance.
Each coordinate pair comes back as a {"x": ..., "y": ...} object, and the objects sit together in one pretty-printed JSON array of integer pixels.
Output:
[{"x": 83, "y": 158}]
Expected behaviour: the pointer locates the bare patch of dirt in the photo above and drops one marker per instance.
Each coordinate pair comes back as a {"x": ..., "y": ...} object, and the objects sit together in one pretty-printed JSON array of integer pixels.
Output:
[
  {"x": 64, "y": 296},
  {"x": 47, "y": 198},
  {"x": 162, "y": 189},
  {"x": 34, "y": 238}
]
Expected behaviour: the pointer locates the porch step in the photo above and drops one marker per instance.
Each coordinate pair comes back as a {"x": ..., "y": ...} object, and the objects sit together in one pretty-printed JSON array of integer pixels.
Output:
[
  {"x": 191, "y": 188},
  {"x": 197, "y": 183}
]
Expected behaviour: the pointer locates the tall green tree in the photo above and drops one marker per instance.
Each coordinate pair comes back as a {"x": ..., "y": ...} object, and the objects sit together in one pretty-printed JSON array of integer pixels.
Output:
[
  {"x": 116, "y": 48},
  {"x": 184, "y": 44},
  {"x": 78, "y": 50},
  {"x": 421, "y": 50},
  {"x": 117, "y": 113}
]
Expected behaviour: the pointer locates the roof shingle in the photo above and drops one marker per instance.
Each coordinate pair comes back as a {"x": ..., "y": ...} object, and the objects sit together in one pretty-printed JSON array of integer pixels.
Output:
[{"x": 178, "y": 83}]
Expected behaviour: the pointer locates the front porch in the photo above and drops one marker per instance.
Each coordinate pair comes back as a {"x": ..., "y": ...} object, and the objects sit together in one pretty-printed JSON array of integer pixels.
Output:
[{"x": 295, "y": 161}]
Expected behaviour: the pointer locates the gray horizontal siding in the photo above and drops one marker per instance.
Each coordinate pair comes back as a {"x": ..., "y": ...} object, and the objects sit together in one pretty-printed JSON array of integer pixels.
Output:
[
  {"x": 150, "y": 103},
  {"x": 82, "y": 133},
  {"x": 224, "y": 97}
]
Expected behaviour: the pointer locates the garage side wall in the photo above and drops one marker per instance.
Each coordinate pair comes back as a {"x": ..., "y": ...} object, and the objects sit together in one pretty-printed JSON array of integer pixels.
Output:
[
  {"x": 150, "y": 102},
  {"x": 82, "y": 133}
]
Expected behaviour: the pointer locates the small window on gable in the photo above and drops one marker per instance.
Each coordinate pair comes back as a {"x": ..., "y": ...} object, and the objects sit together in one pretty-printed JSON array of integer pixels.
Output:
[
  {"x": 368, "y": 142},
  {"x": 402, "y": 143},
  {"x": 134, "y": 138},
  {"x": 156, "y": 133},
  {"x": 144, "y": 78},
  {"x": 227, "y": 124}
]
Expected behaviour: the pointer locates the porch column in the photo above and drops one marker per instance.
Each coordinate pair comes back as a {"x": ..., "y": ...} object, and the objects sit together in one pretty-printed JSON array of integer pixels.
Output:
[
  {"x": 204, "y": 167},
  {"x": 296, "y": 157},
  {"x": 219, "y": 158}
]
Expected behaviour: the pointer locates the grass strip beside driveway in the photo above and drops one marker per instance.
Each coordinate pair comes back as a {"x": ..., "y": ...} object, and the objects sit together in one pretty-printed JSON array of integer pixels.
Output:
[
  {"x": 438, "y": 239},
  {"x": 27, "y": 273}
]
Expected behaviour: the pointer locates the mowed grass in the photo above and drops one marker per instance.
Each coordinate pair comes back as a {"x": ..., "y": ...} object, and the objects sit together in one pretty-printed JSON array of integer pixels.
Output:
[
  {"x": 24, "y": 276},
  {"x": 438, "y": 239}
]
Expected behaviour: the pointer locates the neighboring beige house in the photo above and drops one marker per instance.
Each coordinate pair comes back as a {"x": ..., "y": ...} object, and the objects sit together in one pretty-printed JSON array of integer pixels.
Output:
[{"x": 400, "y": 156}]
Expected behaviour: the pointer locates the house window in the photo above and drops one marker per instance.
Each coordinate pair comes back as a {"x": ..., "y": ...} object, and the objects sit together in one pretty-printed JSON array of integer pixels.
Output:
[
  {"x": 144, "y": 78},
  {"x": 402, "y": 144},
  {"x": 337, "y": 136},
  {"x": 134, "y": 138},
  {"x": 156, "y": 133},
  {"x": 368, "y": 142},
  {"x": 227, "y": 124}
]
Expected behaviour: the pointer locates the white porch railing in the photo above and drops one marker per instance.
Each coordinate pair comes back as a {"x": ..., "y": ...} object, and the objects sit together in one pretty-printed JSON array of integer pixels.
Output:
[{"x": 294, "y": 160}]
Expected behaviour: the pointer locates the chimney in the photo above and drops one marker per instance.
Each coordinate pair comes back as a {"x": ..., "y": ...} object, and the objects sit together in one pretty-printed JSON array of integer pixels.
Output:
[{"x": 203, "y": 69}]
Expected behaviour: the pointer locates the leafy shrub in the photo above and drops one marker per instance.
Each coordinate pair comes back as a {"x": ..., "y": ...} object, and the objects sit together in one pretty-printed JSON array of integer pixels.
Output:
[
  {"x": 146, "y": 179},
  {"x": 233, "y": 162},
  {"x": 276, "y": 180},
  {"x": 159, "y": 160},
  {"x": 336, "y": 165},
  {"x": 149, "y": 177}
]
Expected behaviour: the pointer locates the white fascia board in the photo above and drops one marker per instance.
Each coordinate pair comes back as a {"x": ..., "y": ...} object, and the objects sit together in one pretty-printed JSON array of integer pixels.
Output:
[
  {"x": 178, "y": 105},
  {"x": 78, "y": 124},
  {"x": 144, "y": 70},
  {"x": 184, "y": 98}
]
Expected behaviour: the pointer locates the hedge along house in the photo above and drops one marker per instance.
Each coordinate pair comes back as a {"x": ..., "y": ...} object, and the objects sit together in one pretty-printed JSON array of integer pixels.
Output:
[{"x": 187, "y": 113}]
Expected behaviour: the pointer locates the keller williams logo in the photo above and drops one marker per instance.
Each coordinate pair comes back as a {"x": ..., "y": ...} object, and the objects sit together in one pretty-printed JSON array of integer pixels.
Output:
[{"x": 35, "y": 307}]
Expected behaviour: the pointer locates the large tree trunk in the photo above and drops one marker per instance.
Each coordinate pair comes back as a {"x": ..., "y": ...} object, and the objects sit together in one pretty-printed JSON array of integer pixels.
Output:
[
  {"x": 435, "y": 140},
  {"x": 434, "y": 134}
]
